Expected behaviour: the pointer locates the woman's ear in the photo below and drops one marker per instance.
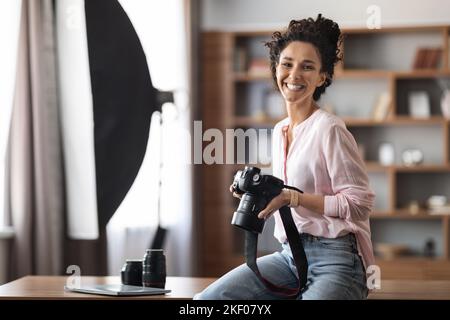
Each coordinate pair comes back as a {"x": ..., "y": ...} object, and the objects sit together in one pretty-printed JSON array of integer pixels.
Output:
[{"x": 323, "y": 78}]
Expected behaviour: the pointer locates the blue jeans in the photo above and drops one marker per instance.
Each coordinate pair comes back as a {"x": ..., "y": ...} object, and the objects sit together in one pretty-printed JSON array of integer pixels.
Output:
[{"x": 335, "y": 272}]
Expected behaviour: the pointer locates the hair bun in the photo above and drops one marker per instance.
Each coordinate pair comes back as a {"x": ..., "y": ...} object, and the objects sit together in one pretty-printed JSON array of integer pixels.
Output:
[{"x": 328, "y": 28}]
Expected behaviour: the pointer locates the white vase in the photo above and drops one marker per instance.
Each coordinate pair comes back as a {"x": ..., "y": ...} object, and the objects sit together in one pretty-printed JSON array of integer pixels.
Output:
[
  {"x": 386, "y": 154},
  {"x": 445, "y": 104}
]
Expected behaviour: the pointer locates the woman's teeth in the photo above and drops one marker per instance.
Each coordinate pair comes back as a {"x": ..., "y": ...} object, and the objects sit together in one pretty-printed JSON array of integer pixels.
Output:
[{"x": 295, "y": 87}]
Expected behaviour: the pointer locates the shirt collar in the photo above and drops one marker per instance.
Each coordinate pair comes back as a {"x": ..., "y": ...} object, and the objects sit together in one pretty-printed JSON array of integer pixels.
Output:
[{"x": 285, "y": 123}]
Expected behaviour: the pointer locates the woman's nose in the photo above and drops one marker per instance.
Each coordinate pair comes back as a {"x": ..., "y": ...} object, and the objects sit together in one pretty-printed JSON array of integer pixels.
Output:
[{"x": 296, "y": 73}]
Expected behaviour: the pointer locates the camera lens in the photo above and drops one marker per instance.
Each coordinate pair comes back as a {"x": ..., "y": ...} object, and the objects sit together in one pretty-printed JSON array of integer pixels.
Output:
[
  {"x": 154, "y": 269},
  {"x": 131, "y": 273},
  {"x": 246, "y": 216}
]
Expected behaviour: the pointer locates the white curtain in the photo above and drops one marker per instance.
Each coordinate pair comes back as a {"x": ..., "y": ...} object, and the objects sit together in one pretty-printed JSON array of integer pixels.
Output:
[
  {"x": 161, "y": 28},
  {"x": 9, "y": 37},
  {"x": 77, "y": 119}
]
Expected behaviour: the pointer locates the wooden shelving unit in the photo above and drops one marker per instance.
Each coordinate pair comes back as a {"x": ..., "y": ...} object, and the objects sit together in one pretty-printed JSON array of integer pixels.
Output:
[{"x": 224, "y": 97}]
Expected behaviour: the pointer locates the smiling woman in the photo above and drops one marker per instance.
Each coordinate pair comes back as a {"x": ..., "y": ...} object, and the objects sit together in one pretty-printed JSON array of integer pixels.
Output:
[{"x": 314, "y": 152}]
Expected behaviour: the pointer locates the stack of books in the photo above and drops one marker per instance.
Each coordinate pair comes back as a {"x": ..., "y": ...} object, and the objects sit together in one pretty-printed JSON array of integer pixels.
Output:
[{"x": 427, "y": 58}]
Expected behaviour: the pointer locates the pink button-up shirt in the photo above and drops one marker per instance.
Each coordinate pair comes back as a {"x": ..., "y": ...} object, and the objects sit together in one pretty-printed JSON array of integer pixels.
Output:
[{"x": 323, "y": 158}]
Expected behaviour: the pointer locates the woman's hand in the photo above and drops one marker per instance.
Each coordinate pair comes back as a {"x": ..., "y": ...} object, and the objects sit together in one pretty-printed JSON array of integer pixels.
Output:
[
  {"x": 281, "y": 200},
  {"x": 239, "y": 196}
]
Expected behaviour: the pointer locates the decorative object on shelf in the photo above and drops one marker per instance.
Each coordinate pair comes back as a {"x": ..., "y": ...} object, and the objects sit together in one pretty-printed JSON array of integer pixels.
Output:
[
  {"x": 390, "y": 251},
  {"x": 445, "y": 104},
  {"x": 412, "y": 157},
  {"x": 240, "y": 59},
  {"x": 259, "y": 67},
  {"x": 274, "y": 104},
  {"x": 386, "y": 154},
  {"x": 436, "y": 201},
  {"x": 429, "y": 249},
  {"x": 382, "y": 107},
  {"x": 419, "y": 104},
  {"x": 414, "y": 207},
  {"x": 437, "y": 204},
  {"x": 427, "y": 58}
]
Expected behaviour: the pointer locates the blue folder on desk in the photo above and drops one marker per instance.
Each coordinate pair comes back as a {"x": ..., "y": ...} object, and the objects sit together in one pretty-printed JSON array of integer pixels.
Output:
[{"x": 117, "y": 290}]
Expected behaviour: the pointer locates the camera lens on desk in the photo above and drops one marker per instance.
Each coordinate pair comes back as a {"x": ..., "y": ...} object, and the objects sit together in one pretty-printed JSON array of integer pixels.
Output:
[
  {"x": 154, "y": 269},
  {"x": 132, "y": 272}
]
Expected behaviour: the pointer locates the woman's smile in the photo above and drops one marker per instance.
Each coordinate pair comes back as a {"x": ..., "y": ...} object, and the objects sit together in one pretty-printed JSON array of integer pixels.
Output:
[{"x": 295, "y": 87}]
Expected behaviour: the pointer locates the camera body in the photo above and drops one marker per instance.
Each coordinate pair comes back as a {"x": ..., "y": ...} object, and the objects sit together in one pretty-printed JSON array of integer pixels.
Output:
[{"x": 257, "y": 191}]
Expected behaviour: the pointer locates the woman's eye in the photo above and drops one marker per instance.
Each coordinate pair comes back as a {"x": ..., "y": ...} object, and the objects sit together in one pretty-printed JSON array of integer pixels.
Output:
[
  {"x": 287, "y": 65},
  {"x": 308, "y": 67}
]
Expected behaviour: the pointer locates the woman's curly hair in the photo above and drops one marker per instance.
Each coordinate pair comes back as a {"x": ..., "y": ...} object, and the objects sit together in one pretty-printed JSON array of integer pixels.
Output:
[{"x": 323, "y": 33}]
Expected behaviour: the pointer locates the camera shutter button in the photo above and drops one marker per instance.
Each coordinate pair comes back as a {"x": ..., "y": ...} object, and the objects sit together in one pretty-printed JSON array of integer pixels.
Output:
[{"x": 256, "y": 177}]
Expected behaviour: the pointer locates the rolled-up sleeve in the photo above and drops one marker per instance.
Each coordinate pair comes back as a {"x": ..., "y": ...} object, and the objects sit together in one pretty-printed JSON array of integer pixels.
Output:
[{"x": 351, "y": 198}]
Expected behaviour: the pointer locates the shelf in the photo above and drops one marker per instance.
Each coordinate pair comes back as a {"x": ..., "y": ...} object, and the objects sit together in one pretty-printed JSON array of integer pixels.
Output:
[
  {"x": 246, "y": 34},
  {"x": 248, "y": 77},
  {"x": 394, "y": 121},
  {"x": 371, "y": 74},
  {"x": 423, "y": 168},
  {"x": 356, "y": 73},
  {"x": 249, "y": 121},
  {"x": 372, "y": 166},
  {"x": 394, "y": 29},
  {"x": 412, "y": 259},
  {"x": 377, "y": 167},
  {"x": 422, "y": 73},
  {"x": 236, "y": 167},
  {"x": 405, "y": 214}
]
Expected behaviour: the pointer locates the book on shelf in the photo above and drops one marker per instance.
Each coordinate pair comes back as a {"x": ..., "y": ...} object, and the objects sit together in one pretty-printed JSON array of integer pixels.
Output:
[
  {"x": 382, "y": 107},
  {"x": 427, "y": 58},
  {"x": 240, "y": 59},
  {"x": 259, "y": 67}
]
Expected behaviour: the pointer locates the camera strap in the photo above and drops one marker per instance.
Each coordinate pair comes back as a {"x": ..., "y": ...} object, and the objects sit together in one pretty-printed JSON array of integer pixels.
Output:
[{"x": 298, "y": 252}]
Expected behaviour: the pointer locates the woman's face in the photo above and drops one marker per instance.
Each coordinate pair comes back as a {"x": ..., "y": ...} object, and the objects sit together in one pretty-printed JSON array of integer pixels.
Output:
[{"x": 298, "y": 72}]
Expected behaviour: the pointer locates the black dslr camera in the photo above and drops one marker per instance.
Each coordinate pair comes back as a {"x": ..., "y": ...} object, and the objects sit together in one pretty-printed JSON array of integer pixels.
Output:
[{"x": 258, "y": 190}]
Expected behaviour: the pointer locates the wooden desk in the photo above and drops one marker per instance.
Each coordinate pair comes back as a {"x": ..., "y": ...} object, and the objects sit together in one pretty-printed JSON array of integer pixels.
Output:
[
  {"x": 52, "y": 288},
  {"x": 412, "y": 290}
]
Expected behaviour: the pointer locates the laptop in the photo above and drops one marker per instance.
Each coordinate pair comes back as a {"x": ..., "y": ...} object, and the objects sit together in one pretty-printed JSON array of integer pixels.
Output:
[{"x": 117, "y": 290}]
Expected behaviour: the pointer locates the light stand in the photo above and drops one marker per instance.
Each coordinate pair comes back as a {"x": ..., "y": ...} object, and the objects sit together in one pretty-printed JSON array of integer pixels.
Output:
[{"x": 160, "y": 234}]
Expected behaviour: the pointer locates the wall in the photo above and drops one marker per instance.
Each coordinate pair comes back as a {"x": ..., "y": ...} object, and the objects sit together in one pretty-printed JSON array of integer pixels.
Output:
[{"x": 269, "y": 14}]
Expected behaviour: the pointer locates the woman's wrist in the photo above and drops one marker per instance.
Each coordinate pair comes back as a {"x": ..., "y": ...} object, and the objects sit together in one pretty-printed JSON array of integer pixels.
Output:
[
  {"x": 286, "y": 197},
  {"x": 295, "y": 201},
  {"x": 291, "y": 198}
]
